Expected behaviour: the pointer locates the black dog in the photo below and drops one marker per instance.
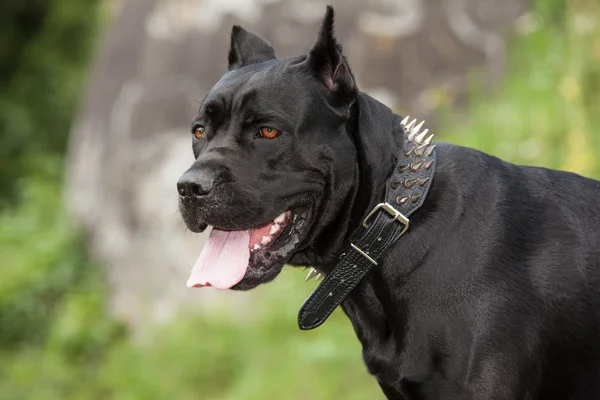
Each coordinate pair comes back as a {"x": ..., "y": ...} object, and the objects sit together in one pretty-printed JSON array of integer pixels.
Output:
[{"x": 493, "y": 292}]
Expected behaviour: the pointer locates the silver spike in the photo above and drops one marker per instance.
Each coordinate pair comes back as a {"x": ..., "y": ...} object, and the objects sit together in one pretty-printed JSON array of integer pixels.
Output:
[
  {"x": 420, "y": 150},
  {"x": 422, "y": 181},
  {"x": 401, "y": 199},
  {"x": 415, "y": 131},
  {"x": 410, "y": 183},
  {"x": 428, "y": 164},
  {"x": 407, "y": 153},
  {"x": 416, "y": 198},
  {"x": 419, "y": 139},
  {"x": 319, "y": 276},
  {"x": 429, "y": 151},
  {"x": 412, "y": 123},
  {"x": 416, "y": 165},
  {"x": 405, "y": 120},
  {"x": 428, "y": 140},
  {"x": 418, "y": 127},
  {"x": 311, "y": 274}
]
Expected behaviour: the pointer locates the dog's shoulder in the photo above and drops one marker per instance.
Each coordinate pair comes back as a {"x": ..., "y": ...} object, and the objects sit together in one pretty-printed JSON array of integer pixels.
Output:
[
  {"x": 471, "y": 164},
  {"x": 515, "y": 194}
]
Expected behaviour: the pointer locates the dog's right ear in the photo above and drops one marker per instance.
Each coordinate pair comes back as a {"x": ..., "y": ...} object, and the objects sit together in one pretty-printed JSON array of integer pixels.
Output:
[
  {"x": 328, "y": 63},
  {"x": 247, "y": 48}
]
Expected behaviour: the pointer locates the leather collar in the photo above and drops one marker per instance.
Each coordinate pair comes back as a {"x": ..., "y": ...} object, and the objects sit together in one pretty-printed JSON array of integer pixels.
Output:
[{"x": 384, "y": 224}]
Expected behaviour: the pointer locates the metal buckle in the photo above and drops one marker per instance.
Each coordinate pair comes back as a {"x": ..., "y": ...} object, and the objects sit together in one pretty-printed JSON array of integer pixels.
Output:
[
  {"x": 393, "y": 212},
  {"x": 364, "y": 254},
  {"x": 398, "y": 216}
]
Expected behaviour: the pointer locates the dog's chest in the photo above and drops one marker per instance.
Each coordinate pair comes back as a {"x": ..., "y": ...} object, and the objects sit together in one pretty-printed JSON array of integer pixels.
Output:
[
  {"x": 381, "y": 354},
  {"x": 407, "y": 366}
]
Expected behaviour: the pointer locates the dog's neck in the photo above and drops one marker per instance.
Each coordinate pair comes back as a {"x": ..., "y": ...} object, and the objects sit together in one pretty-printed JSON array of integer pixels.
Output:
[
  {"x": 403, "y": 189},
  {"x": 378, "y": 138},
  {"x": 365, "y": 305}
]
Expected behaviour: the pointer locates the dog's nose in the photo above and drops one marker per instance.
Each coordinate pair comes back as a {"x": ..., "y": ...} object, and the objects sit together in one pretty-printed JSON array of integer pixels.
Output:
[{"x": 194, "y": 184}]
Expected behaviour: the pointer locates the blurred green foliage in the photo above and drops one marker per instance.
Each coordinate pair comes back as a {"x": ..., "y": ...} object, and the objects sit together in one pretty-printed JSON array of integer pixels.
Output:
[
  {"x": 44, "y": 48},
  {"x": 546, "y": 112},
  {"x": 56, "y": 341}
]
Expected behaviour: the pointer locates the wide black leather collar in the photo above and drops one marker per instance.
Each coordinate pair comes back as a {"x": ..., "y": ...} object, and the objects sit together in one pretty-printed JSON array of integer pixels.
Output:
[{"x": 384, "y": 224}]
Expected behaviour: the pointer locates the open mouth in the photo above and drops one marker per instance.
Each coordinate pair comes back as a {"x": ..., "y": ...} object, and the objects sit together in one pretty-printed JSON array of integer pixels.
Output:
[{"x": 257, "y": 254}]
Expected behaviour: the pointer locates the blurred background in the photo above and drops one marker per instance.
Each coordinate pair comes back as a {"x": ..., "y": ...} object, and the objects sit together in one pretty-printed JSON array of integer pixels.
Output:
[{"x": 95, "y": 102}]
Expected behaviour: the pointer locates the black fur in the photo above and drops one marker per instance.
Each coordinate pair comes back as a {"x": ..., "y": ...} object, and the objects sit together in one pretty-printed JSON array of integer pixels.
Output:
[
  {"x": 248, "y": 48},
  {"x": 494, "y": 293}
]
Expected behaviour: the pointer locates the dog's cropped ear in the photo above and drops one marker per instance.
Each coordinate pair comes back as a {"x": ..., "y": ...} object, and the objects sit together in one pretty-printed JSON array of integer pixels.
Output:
[
  {"x": 248, "y": 48},
  {"x": 328, "y": 63}
]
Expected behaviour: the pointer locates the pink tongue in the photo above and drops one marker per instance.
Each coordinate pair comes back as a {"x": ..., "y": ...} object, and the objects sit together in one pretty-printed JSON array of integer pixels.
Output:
[{"x": 223, "y": 260}]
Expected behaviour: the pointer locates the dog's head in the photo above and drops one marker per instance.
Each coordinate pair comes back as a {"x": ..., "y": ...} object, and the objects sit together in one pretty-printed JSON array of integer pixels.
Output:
[{"x": 275, "y": 165}]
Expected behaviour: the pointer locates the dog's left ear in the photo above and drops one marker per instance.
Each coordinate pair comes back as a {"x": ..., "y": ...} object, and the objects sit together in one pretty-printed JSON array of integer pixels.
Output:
[
  {"x": 248, "y": 48},
  {"x": 328, "y": 63}
]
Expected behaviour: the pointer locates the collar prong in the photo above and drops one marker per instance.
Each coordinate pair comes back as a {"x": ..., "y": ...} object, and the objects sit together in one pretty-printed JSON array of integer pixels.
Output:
[
  {"x": 410, "y": 183},
  {"x": 416, "y": 165},
  {"x": 419, "y": 139},
  {"x": 311, "y": 274},
  {"x": 429, "y": 151},
  {"x": 420, "y": 149},
  {"x": 410, "y": 125},
  {"x": 401, "y": 200},
  {"x": 415, "y": 131}
]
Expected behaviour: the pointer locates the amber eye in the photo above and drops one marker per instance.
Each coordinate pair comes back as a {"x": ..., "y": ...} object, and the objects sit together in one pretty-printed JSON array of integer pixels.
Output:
[
  {"x": 199, "y": 132},
  {"x": 269, "y": 133}
]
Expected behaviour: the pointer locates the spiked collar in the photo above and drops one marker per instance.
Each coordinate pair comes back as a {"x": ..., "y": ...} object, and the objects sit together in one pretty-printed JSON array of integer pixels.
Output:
[{"x": 384, "y": 224}]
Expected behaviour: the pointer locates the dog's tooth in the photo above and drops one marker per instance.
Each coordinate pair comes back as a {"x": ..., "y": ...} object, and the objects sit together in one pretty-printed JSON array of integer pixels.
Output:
[
  {"x": 265, "y": 240},
  {"x": 421, "y": 136},
  {"x": 311, "y": 274},
  {"x": 256, "y": 246},
  {"x": 280, "y": 218},
  {"x": 274, "y": 229}
]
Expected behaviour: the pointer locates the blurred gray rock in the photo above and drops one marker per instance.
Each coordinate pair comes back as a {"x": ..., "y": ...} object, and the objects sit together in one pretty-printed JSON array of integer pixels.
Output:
[{"x": 131, "y": 140}]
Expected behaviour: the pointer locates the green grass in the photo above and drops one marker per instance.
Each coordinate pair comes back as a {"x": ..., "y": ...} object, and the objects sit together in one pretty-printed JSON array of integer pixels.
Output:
[{"x": 56, "y": 341}]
